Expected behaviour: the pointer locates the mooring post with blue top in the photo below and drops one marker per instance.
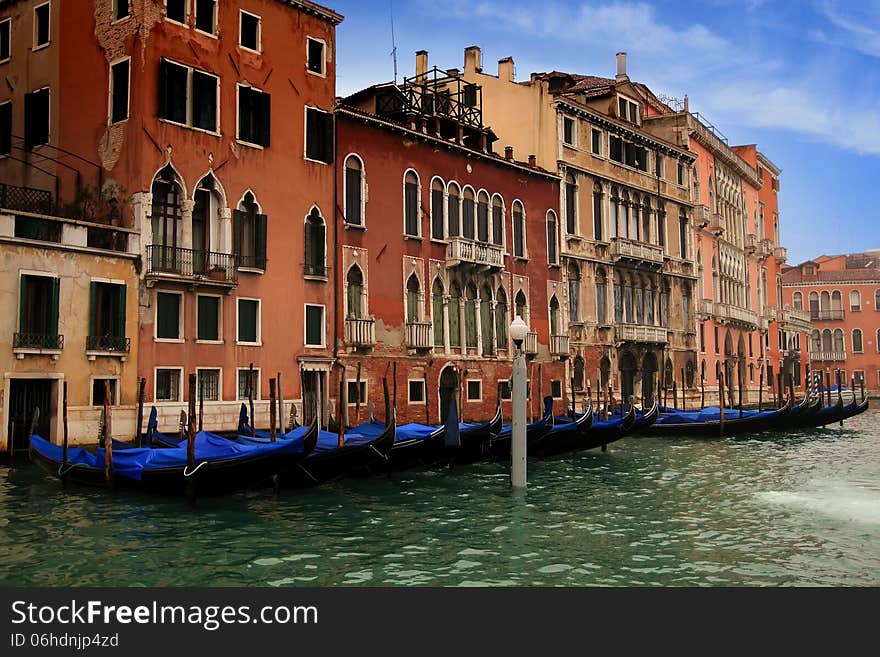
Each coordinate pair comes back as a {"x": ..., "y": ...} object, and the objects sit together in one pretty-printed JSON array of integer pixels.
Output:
[{"x": 518, "y": 332}]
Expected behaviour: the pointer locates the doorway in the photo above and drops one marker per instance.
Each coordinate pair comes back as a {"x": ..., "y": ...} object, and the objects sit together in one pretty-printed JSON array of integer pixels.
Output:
[
  {"x": 313, "y": 398},
  {"x": 24, "y": 396},
  {"x": 448, "y": 390}
]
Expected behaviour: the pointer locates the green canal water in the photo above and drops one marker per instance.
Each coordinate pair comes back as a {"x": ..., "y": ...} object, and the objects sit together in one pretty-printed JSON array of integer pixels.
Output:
[{"x": 801, "y": 509}]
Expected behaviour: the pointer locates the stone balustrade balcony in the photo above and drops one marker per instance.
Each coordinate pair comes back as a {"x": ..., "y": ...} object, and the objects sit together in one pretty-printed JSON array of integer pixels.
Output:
[{"x": 360, "y": 332}]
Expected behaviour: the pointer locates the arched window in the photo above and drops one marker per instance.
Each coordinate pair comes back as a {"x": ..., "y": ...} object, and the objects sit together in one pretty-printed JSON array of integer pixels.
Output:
[
  {"x": 664, "y": 306},
  {"x": 487, "y": 320},
  {"x": 815, "y": 341},
  {"x": 579, "y": 366},
  {"x": 838, "y": 341},
  {"x": 597, "y": 213},
  {"x": 628, "y": 315},
  {"x": 661, "y": 226},
  {"x": 497, "y": 220},
  {"x": 413, "y": 307},
  {"x": 470, "y": 317},
  {"x": 554, "y": 315},
  {"x": 855, "y": 301},
  {"x": 574, "y": 292},
  {"x": 438, "y": 216},
  {"x": 649, "y": 306},
  {"x": 857, "y": 341},
  {"x": 814, "y": 305},
  {"x": 468, "y": 212},
  {"x": 315, "y": 245},
  {"x": 453, "y": 210},
  {"x": 836, "y": 302},
  {"x": 249, "y": 232},
  {"x": 354, "y": 281},
  {"x": 207, "y": 234},
  {"x": 686, "y": 307},
  {"x": 521, "y": 306},
  {"x": 483, "y": 217},
  {"x": 825, "y": 302},
  {"x": 827, "y": 343},
  {"x": 354, "y": 191},
  {"x": 639, "y": 303},
  {"x": 411, "y": 220},
  {"x": 683, "y": 235},
  {"x": 552, "y": 238},
  {"x": 615, "y": 213},
  {"x": 877, "y": 341},
  {"x": 437, "y": 312},
  {"x": 519, "y": 230},
  {"x": 618, "y": 300},
  {"x": 798, "y": 301},
  {"x": 601, "y": 292},
  {"x": 570, "y": 204},
  {"x": 877, "y": 300},
  {"x": 455, "y": 316},
  {"x": 167, "y": 221},
  {"x": 646, "y": 221},
  {"x": 501, "y": 318}
]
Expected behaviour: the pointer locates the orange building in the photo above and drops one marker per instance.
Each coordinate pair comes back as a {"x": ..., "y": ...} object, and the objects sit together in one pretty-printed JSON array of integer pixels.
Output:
[{"x": 841, "y": 294}]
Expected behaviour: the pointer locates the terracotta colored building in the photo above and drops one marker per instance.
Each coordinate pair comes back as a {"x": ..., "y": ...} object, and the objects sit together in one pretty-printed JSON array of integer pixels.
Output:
[
  {"x": 841, "y": 294},
  {"x": 442, "y": 243}
]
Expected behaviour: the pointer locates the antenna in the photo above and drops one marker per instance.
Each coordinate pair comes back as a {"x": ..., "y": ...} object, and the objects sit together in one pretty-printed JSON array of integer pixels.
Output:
[{"x": 393, "y": 41}]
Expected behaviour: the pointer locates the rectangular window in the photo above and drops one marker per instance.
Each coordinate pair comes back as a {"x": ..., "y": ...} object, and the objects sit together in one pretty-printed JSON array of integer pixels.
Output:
[
  {"x": 681, "y": 174},
  {"x": 41, "y": 25},
  {"x": 596, "y": 141},
  {"x": 204, "y": 101},
  {"x": 504, "y": 390},
  {"x": 173, "y": 83},
  {"x": 208, "y": 318},
  {"x": 411, "y": 221},
  {"x": 209, "y": 384},
  {"x": 206, "y": 16},
  {"x": 416, "y": 392},
  {"x": 249, "y": 237},
  {"x": 437, "y": 214},
  {"x": 319, "y": 135},
  {"x": 597, "y": 216},
  {"x": 683, "y": 236},
  {"x": 628, "y": 110},
  {"x": 175, "y": 10},
  {"x": 615, "y": 148},
  {"x": 188, "y": 96},
  {"x": 353, "y": 188},
  {"x": 600, "y": 304},
  {"x": 568, "y": 131},
  {"x": 702, "y": 337},
  {"x": 357, "y": 393},
  {"x": 99, "y": 389},
  {"x": 658, "y": 165},
  {"x": 167, "y": 385},
  {"x": 120, "y": 9},
  {"x": 315, "y": 53},
  {"x": 249, "y": 321},
  {"x": 716, "y": 340},
  {"x": 248, "y": 383},
  {"x": 119, "y": 84},
  {"x": 5, "y": 39},
  {"x": 474, "y": 390},
  {"x": 106, "y": 317},
  {"x": 314, "y": 326},
  {"x": 38, "y": 311},
  {"x": 254, "y": 116},
  {"x": 168, "y": 316},
  {"x": 36, "y": 118},
  {"x": 6, "y": 129},
  {"x": 470, "y": 95},
  {"x": 249, "y": 34},
  {"x": 556, "y": 389}
]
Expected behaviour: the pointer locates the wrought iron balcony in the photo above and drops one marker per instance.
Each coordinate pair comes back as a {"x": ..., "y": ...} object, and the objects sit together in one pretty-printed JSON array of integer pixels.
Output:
[
  {"x": 730, "y": 313},
  {"x": 828, "y": 356},
  {"x": 641, "y": 333},
  {"x": 781, "y": 254},
  {"x": 463, "y": 251},
  {"x": 203, "y": 266},
  {"x": 559, "y": 346},
  {"x": 360, "y": 332},
  {"x": 530, "y": 348},
  {"x": 108, "y": 343},
  {"x": 622, "y": 248},
  {"x": 419, "y": 335},
  {"x": 37, "y": 343}
]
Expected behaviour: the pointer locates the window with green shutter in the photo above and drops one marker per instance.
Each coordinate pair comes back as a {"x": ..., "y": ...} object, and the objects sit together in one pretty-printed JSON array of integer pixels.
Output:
[
  {"x": 314, "y": 326},
  {"x": 168, "y": 316},
  {"x": 38, "y": 311},
  {"x": 208, "y": 318},
  {"x": 248, "y": 320}
]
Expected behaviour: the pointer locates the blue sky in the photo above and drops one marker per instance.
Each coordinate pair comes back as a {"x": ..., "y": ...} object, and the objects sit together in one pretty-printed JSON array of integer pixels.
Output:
[{"x": 801, "y": 78}]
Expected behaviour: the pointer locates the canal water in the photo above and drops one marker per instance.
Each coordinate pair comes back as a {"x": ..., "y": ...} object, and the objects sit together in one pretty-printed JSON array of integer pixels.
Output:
[{"x": 801, "y": 509}]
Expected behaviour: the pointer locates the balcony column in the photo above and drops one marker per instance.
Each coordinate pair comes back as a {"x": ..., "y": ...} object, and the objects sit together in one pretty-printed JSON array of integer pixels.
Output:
[
  {"x": 186, "y": 213},
  {"x": 142, "y": 209},
  {"x": 493, "y": 305},
  {"x": 446, "y": 345},
  {"x": 479, "y": 323},
  {"x": 462, "y": 326},
  {"x": 224, "y": 244}
]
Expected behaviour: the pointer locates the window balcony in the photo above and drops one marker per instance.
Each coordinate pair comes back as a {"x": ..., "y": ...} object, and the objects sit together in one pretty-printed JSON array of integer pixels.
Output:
[
  {"x": 626, "y": 249},
  {"x": 463, "y": 251},
  {"x": 701, "y": 216},
  {"x": 735, "y": 314},
  {"x": 751, "y": 243},
  {"x": 704, "y": 307},
  {"x": 765, "y": 248},
  {"x": 205, "y": 267},
  {"x": 360, "y": 333},
  {"x": 828, "y": 356},
  {"x": 827, "y": 315},
  {"x": 770, "y": 313},
  {"x": 107, "y": 345},
  {"x": 799, "y": 320},
  {"x": 716, "y": 224},
  {"x": 640, "y": 333},
  {"x": 559, "y": 346},
  {"x": 419, "y": 335},
  {"x": 37, "y": 344},
  {"x": 781, "y": 254},
  {"x": 530, "y": 348}
]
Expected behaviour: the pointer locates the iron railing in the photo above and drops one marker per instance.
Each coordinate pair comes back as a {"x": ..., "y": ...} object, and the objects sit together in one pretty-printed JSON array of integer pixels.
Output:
[
  {"x": 188, "y": 263},
  {"x": 26, "y": 199},
  {"x": 108, "y": 343},
  {"x": 37, "y": 341}
]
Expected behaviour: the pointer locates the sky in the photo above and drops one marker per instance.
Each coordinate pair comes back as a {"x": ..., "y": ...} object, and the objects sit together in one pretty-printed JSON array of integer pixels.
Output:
[{"x": 800, "y": 78}]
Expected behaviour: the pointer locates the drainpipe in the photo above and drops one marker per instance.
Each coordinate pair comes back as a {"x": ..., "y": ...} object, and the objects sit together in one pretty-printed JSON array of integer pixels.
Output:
[{"x": 337, "y": 250}]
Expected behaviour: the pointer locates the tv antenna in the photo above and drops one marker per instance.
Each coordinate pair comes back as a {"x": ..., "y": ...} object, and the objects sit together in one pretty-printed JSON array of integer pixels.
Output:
[{"x": 393, "y": 40}]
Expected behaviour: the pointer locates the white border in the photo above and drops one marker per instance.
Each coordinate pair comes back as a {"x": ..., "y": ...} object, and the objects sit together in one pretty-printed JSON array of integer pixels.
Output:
[
  {"x": 259, "y": 342},
  {"x": 323, "y": 308},
  {"x": 180, "y": 319}
]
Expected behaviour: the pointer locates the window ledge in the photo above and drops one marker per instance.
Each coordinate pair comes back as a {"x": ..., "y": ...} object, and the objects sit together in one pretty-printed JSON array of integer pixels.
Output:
[
  {"x": 210, "y": 35},
  {"x": 316, "y": 73},
  {"x": 42, "y": 46},
  {"x": 360, "y": 227},
  {"x": 571, "y": 146},
  {"x": 521, "y": 259},
  {"x": 321, "y": 162},
  {"x": 121, "y": 355},
  {"x": 415, "y": 238},
  {"x": 4, "y": 61},
  {"x": 21, "y": 353},
  {"x": 248, "y": 344},
  {"x": 252, "y": 270},
  {"x": 170, "y": 340},
  {"x": 249, "y": 144},
  {"x": 443, "y": 242},
  {"x": 209, "y": 342},
  {"x": 315, "y": 278},
  {"x": 118, "y": 21}
]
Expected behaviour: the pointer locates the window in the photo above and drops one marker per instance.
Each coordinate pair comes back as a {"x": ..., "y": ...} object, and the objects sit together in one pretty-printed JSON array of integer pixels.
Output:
[
  {"x": 455, "y": 316},
  {"x": 249, "y": 383},
  {"x": 596, "y": 141},
  {"x": 314, "y": 326},
  {"x": 6, "y": 128},
  {"x": 556, "y": 389},
  {"x": 470, "y": 95},
  {"x": 571, "y": 204},
  {"x": 209, "y": 384},
  {"x": 411, "y": 223},
  {"x": 354, "y": 281},
  {"x": 167, "y": 385},
  {"x": 416, "y": 391},
  {"x": 354, "y": 193},
  {"x": 249, "y": 32},
  {"x": 249, "y": 233},
  {"x": 798, "y": 301},
  {"x": 437, "y": 206},
  {"x": 504, "y": 390},
  {"x": 574, "y": 287},
  {"x": 857, "y": 341},
  {"x": 453, "y": 206},
  {"x": 206, "y": 16},
  {"x": 169, "y": 318},
  {"x": 249, "y": 321},
  {"x": 855, "y": 301},
  {"x": 877, "y": 300},
  {"x": 357, "y": 392},
  {"x": 521, "y": 306},
  {"x": 38, "y": 312},
  {"x": 659, "y": 165},
  {"x": 498, "y": 220},
  {"x": 682, "y": 174},
  {"x": 474, "y": 390},
  {"x": 501, "y": 318},
  {"x": 569, "y": 134},
  {"x": 175, "y": 10},
  {"x": 319, "y": 135},
  {"x": 36, "y": 118},
  {"x": 597, "y": 213},
  {"x": 5, "y": 39},
  {"x": 601, "y": 317},
  {"x": 315, "y": 245},
  {"x": 41, "y": 25},
  {"x": 615, "y": 148},
  {"x": 552, "y": 239},
  {"x": 208, "y": 310},
  {"x": 468, "y": 213},
  {"x": 254, "y": 116},
  {"x": 99, "y": 389},
  {"x": 470, "y": 317},
  {"x": 119, "y": 83},
  {"x": 437, "y": 313},
  {"x": 188, "y": 96},
  {"x": 628, "y": 110},
  {"x": 315, "y": 55},
  {"x": 483, "y": 217},
  {"x": 683, "y": 236},
  {"x": 106, "y": 317},
  {"x": 413, "y": 303}
]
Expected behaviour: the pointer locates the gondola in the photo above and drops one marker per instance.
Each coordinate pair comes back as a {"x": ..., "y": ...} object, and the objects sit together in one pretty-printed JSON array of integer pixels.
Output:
[
  {"x": 604, "y": 432},
  {"x": 220, "y": 466},
  {"x": 706, "y": 422},
  {"x": 500, "y": 443},
  {"x": 565, "y": 436}
]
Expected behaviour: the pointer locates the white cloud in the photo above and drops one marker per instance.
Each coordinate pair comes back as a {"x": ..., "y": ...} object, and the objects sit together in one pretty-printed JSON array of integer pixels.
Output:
[{"x": 853, "y": 25}]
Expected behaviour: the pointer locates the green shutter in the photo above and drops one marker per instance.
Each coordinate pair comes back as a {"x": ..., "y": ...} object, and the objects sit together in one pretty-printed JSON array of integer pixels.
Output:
[
  {"x": 119, "y": 325},
  {"x": 260, "y": 246},
  {"x": 52, "y": 324},
  {"x": 237, "y": 223},
  {"x": 437, "y": 313},
  {"x": 93, "y": 308},
  {"x": 22, "y": 306}
]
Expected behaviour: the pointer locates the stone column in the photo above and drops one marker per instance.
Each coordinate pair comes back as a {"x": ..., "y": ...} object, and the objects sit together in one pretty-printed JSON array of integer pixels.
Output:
[
  {"x": 479, "y": 324},
  {"x": 446, "y": 340},
  {"x": 186, "y": 206}
]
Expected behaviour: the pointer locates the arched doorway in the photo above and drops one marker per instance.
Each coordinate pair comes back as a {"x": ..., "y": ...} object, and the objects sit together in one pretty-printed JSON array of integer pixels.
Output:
[
  {"x": 740, "y": 367},
  {"x": 627, "y": 376},
  {"x": 649, "y": 378},
  {"x": 578, "y": 375},
  {"x": 448, "y": 391},
  {"x": 729, "y": 359},
  {"x": 605, "y": 372}
]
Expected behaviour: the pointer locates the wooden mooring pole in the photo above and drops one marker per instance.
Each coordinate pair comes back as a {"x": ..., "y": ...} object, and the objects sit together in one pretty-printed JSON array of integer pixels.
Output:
[{"x": 108, "y": 437}]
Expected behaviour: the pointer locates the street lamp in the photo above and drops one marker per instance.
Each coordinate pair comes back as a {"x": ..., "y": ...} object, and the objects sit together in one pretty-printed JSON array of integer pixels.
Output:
[{"x": 518, "y": 332}]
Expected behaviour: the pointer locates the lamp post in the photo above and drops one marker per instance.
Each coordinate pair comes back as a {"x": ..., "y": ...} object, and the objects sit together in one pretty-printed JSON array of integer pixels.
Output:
[{"x": 518, "y": 332}]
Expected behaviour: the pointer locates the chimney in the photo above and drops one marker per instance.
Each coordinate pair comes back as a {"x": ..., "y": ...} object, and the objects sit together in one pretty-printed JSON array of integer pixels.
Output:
[
  {"x": 421, "y": 63},
  {"x": 505, "y": 69},
  {"x": 621, "y": 67},
  {"x": 453, "y": 72},
  {"x": 473, "y": 59},
  {"x": 533, "y": 161},
  {"x": 508, "y": 153},
  {"x": 686, "y": 104}
]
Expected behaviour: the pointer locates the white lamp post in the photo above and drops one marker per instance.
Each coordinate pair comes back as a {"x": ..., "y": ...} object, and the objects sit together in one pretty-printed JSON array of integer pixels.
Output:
[{"x": 518, "y": 332}]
